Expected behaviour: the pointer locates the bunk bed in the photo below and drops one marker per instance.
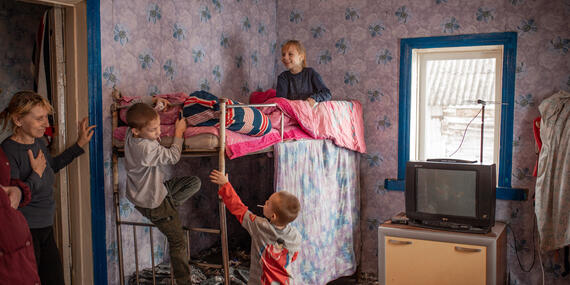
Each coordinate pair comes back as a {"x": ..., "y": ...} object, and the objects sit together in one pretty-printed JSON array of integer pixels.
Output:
[{"x": 292, "y": 121}]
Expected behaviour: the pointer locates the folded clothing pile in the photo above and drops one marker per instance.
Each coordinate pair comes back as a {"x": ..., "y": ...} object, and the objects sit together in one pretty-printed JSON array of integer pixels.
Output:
[{"x": 202, "y": 109}]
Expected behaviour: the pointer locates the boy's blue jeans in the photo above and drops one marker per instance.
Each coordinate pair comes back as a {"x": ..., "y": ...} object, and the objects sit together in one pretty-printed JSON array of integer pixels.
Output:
[{"x": 166, "y": 218}]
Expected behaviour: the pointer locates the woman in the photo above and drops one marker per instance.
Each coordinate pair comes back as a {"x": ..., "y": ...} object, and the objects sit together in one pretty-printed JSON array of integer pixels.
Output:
[{"x": 31, "y": 162}]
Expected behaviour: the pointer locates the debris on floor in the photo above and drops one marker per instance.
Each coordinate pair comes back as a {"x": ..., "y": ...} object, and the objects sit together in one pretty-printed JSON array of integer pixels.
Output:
[
  {"x": 367, "y": 279},
  {"x": 239, "y": 270}
]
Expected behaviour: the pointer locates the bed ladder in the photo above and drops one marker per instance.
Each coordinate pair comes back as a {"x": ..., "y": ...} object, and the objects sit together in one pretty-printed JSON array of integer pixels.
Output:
[{"x": 222, "y": 231}]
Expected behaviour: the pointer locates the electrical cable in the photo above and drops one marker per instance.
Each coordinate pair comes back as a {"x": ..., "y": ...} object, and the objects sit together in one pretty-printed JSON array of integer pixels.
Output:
[
  {"x": 533, "y": 248},
  {"x": 465, "y": 132}
]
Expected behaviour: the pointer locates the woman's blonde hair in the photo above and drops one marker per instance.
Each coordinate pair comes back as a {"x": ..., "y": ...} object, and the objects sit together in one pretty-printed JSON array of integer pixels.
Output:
[
  {"x": 300, "y": 49},
  {"x": 21, "y": 104}
]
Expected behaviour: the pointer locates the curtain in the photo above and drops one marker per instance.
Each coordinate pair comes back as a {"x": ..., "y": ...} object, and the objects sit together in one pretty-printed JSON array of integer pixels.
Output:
[{"x": 325, "y": 179}]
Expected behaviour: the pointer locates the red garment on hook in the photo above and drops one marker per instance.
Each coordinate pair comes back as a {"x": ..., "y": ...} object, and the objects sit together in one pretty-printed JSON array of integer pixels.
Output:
[{"x": 536, "y": 131}]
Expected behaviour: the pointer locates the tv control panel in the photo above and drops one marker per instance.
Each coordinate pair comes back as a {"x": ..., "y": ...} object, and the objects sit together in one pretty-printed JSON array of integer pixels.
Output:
[
  {"x": 448, "y": 226},
  {"x": 450, "y": 160}
]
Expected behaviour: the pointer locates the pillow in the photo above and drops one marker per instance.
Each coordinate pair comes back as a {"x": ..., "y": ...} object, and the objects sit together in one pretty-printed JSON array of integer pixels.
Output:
[
  {"x": 167, "y": 117},
  {"x": 262, "y": 96}
]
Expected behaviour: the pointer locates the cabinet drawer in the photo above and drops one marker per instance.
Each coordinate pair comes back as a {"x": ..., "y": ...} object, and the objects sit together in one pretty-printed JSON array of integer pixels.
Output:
[{"x": 413, "y": 261}]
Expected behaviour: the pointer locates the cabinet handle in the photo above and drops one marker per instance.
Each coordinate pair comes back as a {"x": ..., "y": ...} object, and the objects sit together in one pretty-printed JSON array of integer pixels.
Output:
[
  {"x": 466, "y": 249},
  {"x": 399, "y": 242}
]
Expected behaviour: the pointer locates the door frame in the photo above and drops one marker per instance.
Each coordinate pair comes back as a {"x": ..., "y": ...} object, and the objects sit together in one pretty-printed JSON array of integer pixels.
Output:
[
  {"x": 98, "y": 216},
  {"x": 87, "y": 219}
]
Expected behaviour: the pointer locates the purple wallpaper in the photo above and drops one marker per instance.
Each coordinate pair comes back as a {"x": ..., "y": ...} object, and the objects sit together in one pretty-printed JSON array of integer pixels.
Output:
[
  {"x": 354, "y": 45},
  {"x": 231, "y": 47}
]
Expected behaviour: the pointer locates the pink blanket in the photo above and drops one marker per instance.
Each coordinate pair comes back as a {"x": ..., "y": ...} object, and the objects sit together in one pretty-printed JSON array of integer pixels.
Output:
[
  {"x": 236, "y": 144},
  {"x": 239, "y": 144},
  {"x": 338, "y": 121}
]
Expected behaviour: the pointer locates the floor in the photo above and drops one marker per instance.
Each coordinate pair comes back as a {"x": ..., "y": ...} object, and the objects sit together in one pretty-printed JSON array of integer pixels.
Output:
[
  {"x": 344, "y": 281},
  {"x": 365, "y": 279}
]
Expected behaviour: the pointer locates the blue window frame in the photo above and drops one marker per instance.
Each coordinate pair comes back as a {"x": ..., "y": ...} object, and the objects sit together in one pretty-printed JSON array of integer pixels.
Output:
[{"x": 509, "y": 42}]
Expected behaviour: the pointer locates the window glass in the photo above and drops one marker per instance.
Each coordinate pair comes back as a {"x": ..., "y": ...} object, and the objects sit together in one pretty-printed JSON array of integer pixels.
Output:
[{"x": 450, "y": 121}]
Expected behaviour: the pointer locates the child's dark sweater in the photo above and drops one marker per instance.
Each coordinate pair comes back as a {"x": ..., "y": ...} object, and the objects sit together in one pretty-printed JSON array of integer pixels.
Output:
[{"x": 300, "y": 86}]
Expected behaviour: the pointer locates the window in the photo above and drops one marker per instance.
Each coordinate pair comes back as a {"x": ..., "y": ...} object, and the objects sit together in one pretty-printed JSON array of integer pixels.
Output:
[
  {"x": 416, "y": 113},
  {"x": 447, "y": 84}
]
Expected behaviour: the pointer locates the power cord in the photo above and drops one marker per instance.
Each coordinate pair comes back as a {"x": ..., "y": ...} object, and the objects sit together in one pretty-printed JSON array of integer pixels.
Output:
[
  {"x": 534, "y": 254},
  {"x": 516, "y": 249},
  {"x": 465, "y": 132}
]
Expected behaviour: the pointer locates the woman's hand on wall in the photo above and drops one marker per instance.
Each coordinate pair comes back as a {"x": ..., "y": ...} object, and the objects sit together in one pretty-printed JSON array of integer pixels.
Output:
[
  {"x": 85, "y": 132},
  {"x": 37, "y": 163},
  {"x": 14, "y": 194}
]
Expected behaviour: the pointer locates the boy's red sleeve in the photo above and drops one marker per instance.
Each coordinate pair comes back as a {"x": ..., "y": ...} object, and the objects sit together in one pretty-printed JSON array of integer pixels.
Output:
[
  {"x": 294, "y": 256},
  {"x": 232, "y": 201},
  {"x": 26, "y": 193}
]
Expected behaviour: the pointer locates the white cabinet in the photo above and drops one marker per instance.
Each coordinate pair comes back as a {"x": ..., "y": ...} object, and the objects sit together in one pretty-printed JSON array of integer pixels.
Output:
[{"x": 413, "y": 255}]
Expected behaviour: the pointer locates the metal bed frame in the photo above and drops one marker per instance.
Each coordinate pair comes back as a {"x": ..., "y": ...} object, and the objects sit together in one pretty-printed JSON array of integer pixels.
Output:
[{"x": 222, "y": 231}]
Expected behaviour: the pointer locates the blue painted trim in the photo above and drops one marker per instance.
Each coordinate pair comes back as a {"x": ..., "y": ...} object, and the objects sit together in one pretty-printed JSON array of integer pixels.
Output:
[
  {"x": 395, "y": 185},
  {"x": 515, "y": 194},
  {"x": 404, "y": 107},
  {"x": 508, "y": 110},
  {"x": 98, "y": 227},
  {"x": 509, "y": 41}
]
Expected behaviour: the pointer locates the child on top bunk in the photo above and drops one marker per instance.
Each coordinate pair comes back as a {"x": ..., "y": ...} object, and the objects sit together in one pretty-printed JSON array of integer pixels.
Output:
[
  {"x": 274, "y": 242},
  {"x": 155, "y": 198},
  {"x": 300, "y": 82}
]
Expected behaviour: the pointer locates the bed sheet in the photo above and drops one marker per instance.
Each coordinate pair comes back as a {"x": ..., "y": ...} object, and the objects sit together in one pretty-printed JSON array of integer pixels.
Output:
[{"x": 325, "y": 178}]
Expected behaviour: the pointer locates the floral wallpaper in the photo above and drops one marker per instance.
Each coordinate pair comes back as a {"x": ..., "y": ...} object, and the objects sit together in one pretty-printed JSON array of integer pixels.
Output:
[
  {"x": 18, "y": 25},
  {"x": 154, "y": 47},
  {"x": 232, "y": 47},
  {"x": 354, "y": 45}
]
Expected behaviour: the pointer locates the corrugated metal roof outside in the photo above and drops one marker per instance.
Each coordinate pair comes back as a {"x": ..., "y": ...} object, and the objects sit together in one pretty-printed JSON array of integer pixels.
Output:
[{"x": 460, "y": 81}]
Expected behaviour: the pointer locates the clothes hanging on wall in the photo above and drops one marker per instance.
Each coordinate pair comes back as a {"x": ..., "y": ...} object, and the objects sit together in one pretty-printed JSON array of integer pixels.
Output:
[
  {"x": 41, "y": 58},
  {"x": 553, "y": 176},
  {"x": 538, "y": 141}
]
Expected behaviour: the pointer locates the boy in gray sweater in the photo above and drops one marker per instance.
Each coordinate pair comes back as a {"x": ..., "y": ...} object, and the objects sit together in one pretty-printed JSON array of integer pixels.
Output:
[
  {"x": 155, "y": 198},
  {"x": 274, "y": 242}
]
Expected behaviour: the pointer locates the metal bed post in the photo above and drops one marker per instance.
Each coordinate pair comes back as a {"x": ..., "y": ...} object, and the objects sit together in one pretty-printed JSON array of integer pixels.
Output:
[
  {"x": 136, "y": 253},
  {"x": 152, "y": 255},
  {"x": 281, "y": 131},
  {"x": 115, "y": 162},
  {"x": 222, "y": 206}
]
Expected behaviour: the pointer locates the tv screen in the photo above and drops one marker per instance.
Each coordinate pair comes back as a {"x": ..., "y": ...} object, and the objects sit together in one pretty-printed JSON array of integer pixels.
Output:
[
  {"x": 446, "y": 192},
  {"x": 458, "y": 196}
]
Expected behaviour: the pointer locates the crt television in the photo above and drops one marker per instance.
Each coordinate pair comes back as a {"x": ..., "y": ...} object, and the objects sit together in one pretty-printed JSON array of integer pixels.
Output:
[{"x": 451, "y": 195}]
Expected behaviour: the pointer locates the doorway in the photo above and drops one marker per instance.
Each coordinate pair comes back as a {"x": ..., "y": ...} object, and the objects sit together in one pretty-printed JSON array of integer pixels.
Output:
[{"x": 65, "y": 82}]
